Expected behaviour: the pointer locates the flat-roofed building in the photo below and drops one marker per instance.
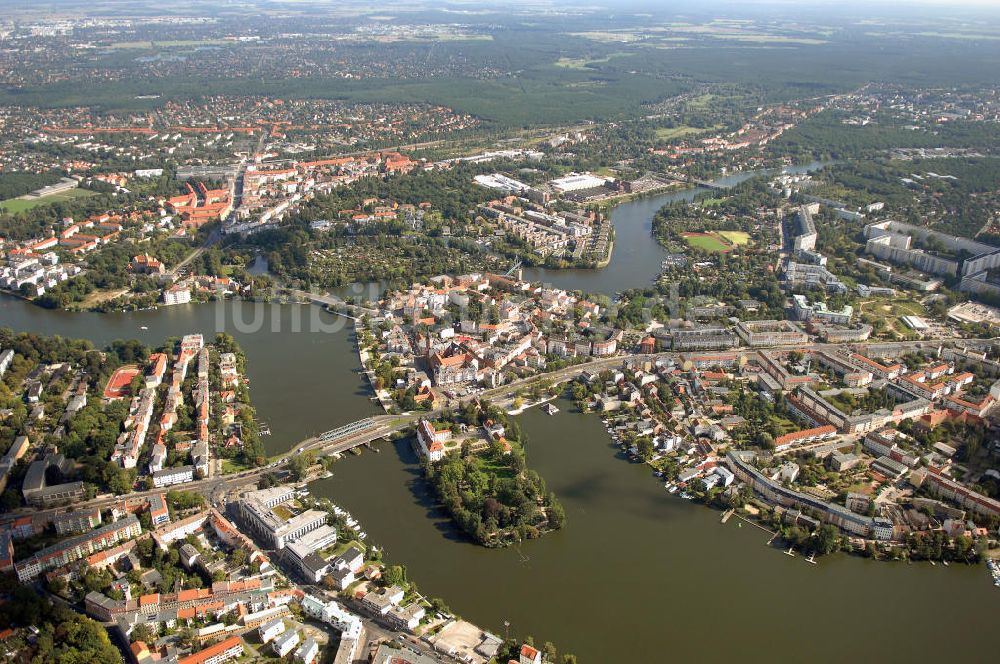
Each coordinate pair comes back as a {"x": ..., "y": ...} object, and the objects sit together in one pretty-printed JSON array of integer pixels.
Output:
[
  {"x": 67, "y": 551},
  {"x": 257, "y": 510}
]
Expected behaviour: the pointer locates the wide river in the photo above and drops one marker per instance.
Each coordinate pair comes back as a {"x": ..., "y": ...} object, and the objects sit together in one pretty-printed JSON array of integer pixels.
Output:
[{"x": 637, "y": 574}]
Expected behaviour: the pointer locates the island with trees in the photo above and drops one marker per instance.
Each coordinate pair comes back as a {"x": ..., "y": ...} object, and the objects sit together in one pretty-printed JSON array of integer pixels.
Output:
[{"x": 484, "y": 481}]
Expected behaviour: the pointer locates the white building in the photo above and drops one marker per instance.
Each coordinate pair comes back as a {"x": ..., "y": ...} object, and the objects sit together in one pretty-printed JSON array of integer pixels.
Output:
[
  {"x": 256, "y": 508},
  {"x": 170, "y": 476},
  {"x": 307, "y": 652},
  {"x": 577, "y": 182},
  {"x": 271, "y": 629},
  {"x": 176, "y": 295},
  {"x": 6, "y": 358},
  {"x": 285, "y": 643}
]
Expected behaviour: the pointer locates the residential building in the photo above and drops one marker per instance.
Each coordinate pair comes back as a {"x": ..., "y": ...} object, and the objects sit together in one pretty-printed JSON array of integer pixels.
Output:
[
  {"x": 307, "y": 652},
  {"x": 770, "y": 333},
  {"x": 74, "y": 548},
  {"x": 177, "y": 294},
  {"x": 171, "y": 476},
  {"x": 271, "y": 629},
  {"x": 741, "y": 464},
  {"x": 223, "y": 651},
  {"x": 68, "y": 523}
]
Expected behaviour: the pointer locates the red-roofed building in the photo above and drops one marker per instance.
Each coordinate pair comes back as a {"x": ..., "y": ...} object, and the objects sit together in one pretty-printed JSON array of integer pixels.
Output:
[
  {"x": 223, "y": 651},
  {"x": 145, "y": 264},
  {"x": 432, "y": 440},
  {"x": 802, "y": 437},
  {"x": 530, "y": 655},
  {"x": 647, "y": 346}
]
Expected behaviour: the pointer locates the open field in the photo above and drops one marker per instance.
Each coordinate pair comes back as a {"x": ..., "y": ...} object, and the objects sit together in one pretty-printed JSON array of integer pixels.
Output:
[
  {"x": 583, "y": 63},
  {"x": 736, "y": 238},
  {"x": 893, "y": 311},
  {"x": 669, "y": 133},
  {"x": 707, "y": 241},
  {"x": 22, "y": 204}
]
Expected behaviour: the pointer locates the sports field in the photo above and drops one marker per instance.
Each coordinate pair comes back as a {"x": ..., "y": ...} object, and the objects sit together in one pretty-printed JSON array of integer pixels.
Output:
[
  {"x": 22, "y": 204},
  {"x": 717, "y": 242},
  {"x": 736, "y": 238}
]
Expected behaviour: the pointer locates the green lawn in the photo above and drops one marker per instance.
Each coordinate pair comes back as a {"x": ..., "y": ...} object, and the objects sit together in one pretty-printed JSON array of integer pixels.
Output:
[
  {"x": 499, "y": 470},
  {"x": 22, "y": 204},
  {"x": 583, "y": 63},
  {"x": 706, "y": 242},
  {"x": 341, "y": 547},
  {"x": 736, "y": 238},
  {"x": 230, "y": 466}
]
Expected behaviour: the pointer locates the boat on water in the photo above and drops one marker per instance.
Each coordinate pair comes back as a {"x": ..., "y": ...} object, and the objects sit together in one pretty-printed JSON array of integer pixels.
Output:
[
  {"x": 994, "y": 568},
  {"x": 143, "y": 327},
  {"x": 550, "y": 409}
]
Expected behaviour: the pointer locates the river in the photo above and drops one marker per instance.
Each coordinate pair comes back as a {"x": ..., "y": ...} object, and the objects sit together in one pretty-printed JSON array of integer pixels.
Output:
[
  {"x": 636, "y": 574},
  {"x": 302, "y": 383},
  {"x": 635, "y": 262},
  {"x": 640, "y": 575}
]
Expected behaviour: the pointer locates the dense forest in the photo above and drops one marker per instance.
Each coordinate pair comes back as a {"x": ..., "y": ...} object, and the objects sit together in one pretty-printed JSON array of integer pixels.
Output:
[
  {"x": 826, "y": 135},
  {"x": 952, "y": 195},
  {"x": 13, "y": 185}
]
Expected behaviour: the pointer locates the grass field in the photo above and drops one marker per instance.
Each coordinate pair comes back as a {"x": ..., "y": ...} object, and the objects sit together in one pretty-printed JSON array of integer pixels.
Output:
[
  {"x": 736, "y": 238},
  {"x": 583, "y": 63},
  {"x": 22, "y": 204},
  {"x": 892, "y": 311},
  {"x": 707, "y": 241},
  {"x": 669, "y": 133},
  {"x": 717, "y": 242},
  {"x": 701, "y": 102}
]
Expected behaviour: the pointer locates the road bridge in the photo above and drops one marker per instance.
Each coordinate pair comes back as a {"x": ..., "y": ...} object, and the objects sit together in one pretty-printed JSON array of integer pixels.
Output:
[{"x": 331, "y": 301}]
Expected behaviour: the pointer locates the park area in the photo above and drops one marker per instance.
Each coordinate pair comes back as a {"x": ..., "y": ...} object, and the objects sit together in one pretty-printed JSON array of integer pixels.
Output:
[{"x": 716, "y": 242}]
